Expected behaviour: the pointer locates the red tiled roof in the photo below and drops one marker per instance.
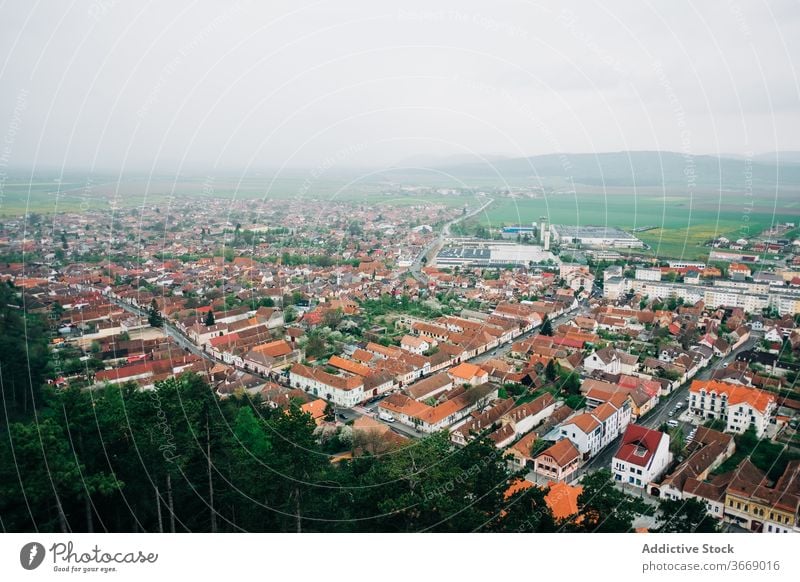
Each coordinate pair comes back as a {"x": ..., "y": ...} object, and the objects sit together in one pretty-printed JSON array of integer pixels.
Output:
[{"x": 639, "y": 444}]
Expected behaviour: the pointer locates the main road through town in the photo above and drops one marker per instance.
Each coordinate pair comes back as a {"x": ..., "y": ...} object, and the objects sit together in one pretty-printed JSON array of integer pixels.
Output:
[{"x": 433, "y": 247}]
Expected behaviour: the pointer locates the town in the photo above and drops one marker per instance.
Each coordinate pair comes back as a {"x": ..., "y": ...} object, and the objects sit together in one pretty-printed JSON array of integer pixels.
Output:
[{"x": 571, "y": 349}]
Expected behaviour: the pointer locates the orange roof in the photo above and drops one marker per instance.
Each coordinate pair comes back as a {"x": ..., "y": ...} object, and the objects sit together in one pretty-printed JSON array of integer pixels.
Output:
[
  {"x": 586, "y": 422},
  {"x": 466, "y": 371},
  {"x": 340, "y": 382},
  {"x": 349, "y": 366},
  {"x": 403, "y": 404},
  {"x": 516, "y": 487},
  {"x": 604, "y": 411},
  {"x": 563, "y": 452},
  {"x": 412, "y": 340},
  {"x": 758, "y": 399},
  {"x": 316, "y": 408},
  {"x": 274, "y": 349},
  {"x": 388, "y": 351},
  {"x": 363, "y": 355},
  {"x": 562, "y": 499}
]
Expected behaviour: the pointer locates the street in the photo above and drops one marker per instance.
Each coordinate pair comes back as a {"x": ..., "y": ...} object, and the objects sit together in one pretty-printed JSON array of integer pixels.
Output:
[
  {"x": 433, "y": 247},
  {"x": 661, "y": 415},
  {"x": 168, "y": 329}
]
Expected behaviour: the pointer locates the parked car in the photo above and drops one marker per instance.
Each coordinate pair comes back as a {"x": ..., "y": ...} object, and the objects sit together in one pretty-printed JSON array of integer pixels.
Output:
[{"x": 672, "y": 423}]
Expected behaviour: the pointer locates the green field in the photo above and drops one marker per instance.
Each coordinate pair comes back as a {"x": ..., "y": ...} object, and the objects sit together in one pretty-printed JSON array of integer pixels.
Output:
[
  {"x": 684, "y": 223},
  {"x": 103, "y": 193}
]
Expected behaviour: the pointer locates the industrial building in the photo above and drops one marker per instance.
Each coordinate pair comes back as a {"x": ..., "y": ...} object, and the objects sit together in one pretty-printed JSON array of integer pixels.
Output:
[
  {"x": 594, "y": 236},
  {"x": 483, "y": 253}
]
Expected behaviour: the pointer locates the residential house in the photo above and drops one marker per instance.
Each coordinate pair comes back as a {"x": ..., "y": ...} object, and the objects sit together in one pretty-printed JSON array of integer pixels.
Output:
[
  {"x": 427, "y": 418},
  {"x": 345, "y": 391},
  {"x": 591, "y": 431},
  {"x": 558, "y": 462},
  {"x": 466, "y": 373},
  {"x": 642, "y": 457},
  {"x": 754, "y": 503},
  {"x": 739, "y": 406},
  {"x": 415, "y": 344}
]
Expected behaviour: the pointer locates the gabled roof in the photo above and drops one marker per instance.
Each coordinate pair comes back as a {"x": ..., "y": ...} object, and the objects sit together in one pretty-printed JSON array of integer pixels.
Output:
[
  {"x": 639, "y": 445},
  {"x": 466, "y": 371},
  {"x": 563, "y": 452},
  {"x": 585, "y": 422},
  {"x": 758, "y": 399},
  {"x": 562, "y": 499}
]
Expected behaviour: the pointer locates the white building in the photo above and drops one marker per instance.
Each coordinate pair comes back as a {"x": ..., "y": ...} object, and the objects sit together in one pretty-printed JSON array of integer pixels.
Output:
[
  {"x": 594, "y": 236},
  {"x": 610, "y": 361},
  {"x": 739, "y": 406},
  {"x": 648, "y": 274},
  {"x": 344, "y": 391},
  {"x": 591, "y": 431},
  {"x": 643, "y": 456},
  {"x": 415, "y": 345}
]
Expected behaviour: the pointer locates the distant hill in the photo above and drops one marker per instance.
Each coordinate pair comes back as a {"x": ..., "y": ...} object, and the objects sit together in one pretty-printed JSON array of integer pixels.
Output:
[
  {"x": 643, "y": 168},
  {"x": 437, "y": 161}
]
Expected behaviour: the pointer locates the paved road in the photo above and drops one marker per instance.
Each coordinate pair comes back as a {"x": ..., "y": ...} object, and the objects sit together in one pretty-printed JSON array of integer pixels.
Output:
[
  {"x": 433, "y": 247},
  {"x": 168, "y": 329},
  {"x": 680, "y": 394},
  {"x": 655, "y": 420}
]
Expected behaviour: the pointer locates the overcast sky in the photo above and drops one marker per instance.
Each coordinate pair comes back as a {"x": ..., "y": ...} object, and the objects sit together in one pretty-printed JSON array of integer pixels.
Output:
[{"x": 124, "y": 85}]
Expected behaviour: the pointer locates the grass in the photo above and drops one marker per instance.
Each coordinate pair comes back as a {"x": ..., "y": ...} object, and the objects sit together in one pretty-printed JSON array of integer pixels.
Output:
[
  {"x": 684, "y": 223},
  {"x": 82, "y": 193}
]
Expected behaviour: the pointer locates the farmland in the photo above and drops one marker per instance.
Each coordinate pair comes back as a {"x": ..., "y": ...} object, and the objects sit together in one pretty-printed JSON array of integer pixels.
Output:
[
  {"x": 685, "y": 221},
  {"x": 79, "y": 193}
]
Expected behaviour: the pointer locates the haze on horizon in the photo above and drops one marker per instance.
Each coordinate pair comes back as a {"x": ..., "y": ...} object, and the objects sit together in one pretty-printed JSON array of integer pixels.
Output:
[{"x": 180, "y": 86}]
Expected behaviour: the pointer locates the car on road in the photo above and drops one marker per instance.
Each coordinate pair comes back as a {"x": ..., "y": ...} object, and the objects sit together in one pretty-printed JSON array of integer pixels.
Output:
[
  {"x": 672, "y": 423},
  {"x": 671, "y": 413}
]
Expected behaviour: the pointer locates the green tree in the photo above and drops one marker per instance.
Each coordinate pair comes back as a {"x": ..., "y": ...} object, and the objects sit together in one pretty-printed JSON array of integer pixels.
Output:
[
  {"x": 209, "y": 321},
  {"x": 685, "y": 516},
  {"x": 550, "y": 371},
  {"x": 23, "y": 353},
  {"x": 154, "y": 317},
  {"x": 526, "y": 511},
  {"x": 604, "y": 508},
  {"x": 547, "y": 327}
]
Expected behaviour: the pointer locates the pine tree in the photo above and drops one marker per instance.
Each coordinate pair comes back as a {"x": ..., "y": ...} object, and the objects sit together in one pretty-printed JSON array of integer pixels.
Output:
[
  {"x": 154, "y": 316},
  {"x": 547, "y": 327}
]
